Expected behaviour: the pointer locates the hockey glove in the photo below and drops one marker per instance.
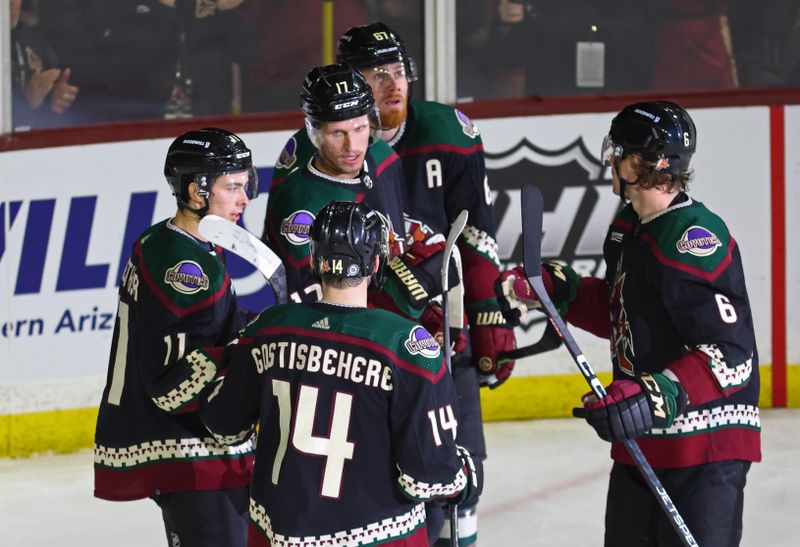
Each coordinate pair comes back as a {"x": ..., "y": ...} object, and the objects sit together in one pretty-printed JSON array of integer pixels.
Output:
[
  {"x": 490, "y": 335},
  {"x": 432, "y": 319},
  {"x": 516, "y": 296},
  {"x": 415, "y": 277},
  {"x": 631, "y": 408}
]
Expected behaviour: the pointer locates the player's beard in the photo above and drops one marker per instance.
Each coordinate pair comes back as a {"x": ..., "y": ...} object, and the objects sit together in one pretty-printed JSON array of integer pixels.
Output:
[{"x": 393, "y": 118}]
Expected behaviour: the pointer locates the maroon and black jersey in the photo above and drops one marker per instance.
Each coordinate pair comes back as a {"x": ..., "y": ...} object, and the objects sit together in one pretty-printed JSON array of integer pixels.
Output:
[
  {"x": 299, "y": 191},
  {"x": 175, "y": 295},
  {"x": 675, "y": 293},
  {"x": 443, "y": 160},
  {"x": 356, "y": 424}
]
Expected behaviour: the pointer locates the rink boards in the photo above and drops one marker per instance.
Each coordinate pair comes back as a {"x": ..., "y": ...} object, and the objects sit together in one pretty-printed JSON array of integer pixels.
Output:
[{"x": 69, "y": 215}]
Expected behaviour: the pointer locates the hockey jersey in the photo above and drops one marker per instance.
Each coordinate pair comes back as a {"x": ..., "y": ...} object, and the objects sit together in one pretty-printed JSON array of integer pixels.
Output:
[
  {"x": 299, "y": 191},
  {"x": 443, "y": 161},
  {"x": 677, "y": 299},
  {"x": 174, "y": 296},
  {"x": 442, "y": 153},
  {"x": 356, "y": 424}
]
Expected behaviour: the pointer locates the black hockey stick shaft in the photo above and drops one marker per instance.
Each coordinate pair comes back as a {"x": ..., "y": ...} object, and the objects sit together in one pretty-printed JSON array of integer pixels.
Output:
[
  {"x": 452, "y": 236},
  {"x": 532, "y": 212},
  {"x": 549, "y": 341}
]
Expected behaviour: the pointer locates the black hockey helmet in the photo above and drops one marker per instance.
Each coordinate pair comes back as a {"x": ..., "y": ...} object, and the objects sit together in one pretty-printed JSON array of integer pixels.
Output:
[
  {"x": 201, "y": 156},
  {"x": 662, "y": 132},
  {"x": 335, "y": 92},
  {"x": 346, "y": 236},
  {"x": 374, "y": 45}
]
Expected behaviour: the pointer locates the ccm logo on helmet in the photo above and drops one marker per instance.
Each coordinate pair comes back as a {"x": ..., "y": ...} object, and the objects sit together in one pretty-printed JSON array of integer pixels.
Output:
[{"x": 345, "y": 105}]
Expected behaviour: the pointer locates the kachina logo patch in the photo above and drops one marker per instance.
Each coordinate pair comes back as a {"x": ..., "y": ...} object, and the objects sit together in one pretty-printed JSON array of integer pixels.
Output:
[{"x": 579, "y": 204}]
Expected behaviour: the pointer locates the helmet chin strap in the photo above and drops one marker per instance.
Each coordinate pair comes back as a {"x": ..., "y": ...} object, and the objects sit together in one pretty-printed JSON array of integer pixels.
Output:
[{"x": 624, "y": 183}]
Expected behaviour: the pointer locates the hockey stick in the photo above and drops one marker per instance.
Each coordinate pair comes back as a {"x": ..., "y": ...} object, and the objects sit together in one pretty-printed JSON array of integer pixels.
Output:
[
  {"x": 549, "y": 341},
  {"x": 449, "y": 250},
  {"x": 456, "y": 295},
  {"x": 532, "y": 210},
  {"x": 455, "y": 230},
  {"x": 234, "y": 238}
]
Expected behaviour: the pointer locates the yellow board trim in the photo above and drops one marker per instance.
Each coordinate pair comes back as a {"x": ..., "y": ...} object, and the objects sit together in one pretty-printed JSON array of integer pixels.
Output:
[{"x": 520, "y": 398}]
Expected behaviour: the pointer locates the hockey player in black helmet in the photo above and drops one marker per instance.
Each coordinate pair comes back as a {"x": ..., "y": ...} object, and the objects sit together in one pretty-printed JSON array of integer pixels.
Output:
[
  {"x": 684, "y": 357},
  {"x": 372, "y": 376},
  {"x": 443, "y": 159},
  {"x": 340, "y": 117},
  {"x": 346, "y": 238},
  {"x": 335, "y": 157},
  {"x": 662, "y": 134},
  {"x": 339, "y": 160},
  {"x": 176, "y": 295},
  {"x": 199, "y": 157}
]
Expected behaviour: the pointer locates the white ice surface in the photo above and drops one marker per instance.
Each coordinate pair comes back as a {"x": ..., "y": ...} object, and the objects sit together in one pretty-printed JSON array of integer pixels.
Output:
[{"x": 546, "y": 482}]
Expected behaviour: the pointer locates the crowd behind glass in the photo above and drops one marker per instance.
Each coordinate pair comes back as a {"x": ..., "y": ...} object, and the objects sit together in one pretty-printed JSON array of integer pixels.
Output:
[{"x": 80, "y": 62}]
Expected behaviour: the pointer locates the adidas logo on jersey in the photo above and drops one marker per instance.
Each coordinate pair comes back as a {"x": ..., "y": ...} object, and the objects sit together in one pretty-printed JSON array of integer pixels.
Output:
[{"x": 321, "y": 324}]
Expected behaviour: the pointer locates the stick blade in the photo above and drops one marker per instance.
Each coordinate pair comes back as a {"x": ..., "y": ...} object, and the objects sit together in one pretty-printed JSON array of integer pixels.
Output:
[
  {"x": 532, "y": 211},
  {"x": 239, "y": 241},
  {"x": 456, "y": 228}
]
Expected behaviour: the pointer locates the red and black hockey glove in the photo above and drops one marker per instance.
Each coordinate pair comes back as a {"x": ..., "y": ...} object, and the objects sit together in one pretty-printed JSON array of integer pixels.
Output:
[
  {"x": 490, "y": 335},
  {"x": 631, "y": 408},
  {"x": 415, "y": 277},
  {"x": 516, "y": 296}
]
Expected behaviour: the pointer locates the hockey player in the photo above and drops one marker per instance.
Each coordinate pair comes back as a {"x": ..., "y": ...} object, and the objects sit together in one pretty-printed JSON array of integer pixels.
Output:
[
  {"x": 355, "y": 409},
  {"x": 685, "y": 363},
  {"x": 341, "y": 161},
  {"x": 346, "y": 163},
  {"x": 442, "y": 156},
  {"x": 175, "y": 295}
]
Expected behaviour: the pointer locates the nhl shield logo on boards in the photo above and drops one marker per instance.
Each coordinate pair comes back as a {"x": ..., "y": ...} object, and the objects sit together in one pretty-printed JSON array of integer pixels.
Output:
[{"x": 579, "y": 204}]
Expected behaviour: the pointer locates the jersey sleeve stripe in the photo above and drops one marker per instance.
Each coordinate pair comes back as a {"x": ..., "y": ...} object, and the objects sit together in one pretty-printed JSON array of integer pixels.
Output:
[
  {"x": 465, "y": 150},
  {"x": 177, "y": 310},
  {"x": 697, "y": 272},
  {"x": 388, "y": 161}
]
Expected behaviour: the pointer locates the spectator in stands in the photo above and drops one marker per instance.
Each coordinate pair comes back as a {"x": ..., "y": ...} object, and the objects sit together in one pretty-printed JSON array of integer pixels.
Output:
[
  {"x": 215, "y": 41},
  {"x": 130, "y": 57},
  {"x": 694, "y": 48},
  {"x": 766, "y": 42},
  {"x": 41, "y": 89},
  {"x": 121, "y": 54}
]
